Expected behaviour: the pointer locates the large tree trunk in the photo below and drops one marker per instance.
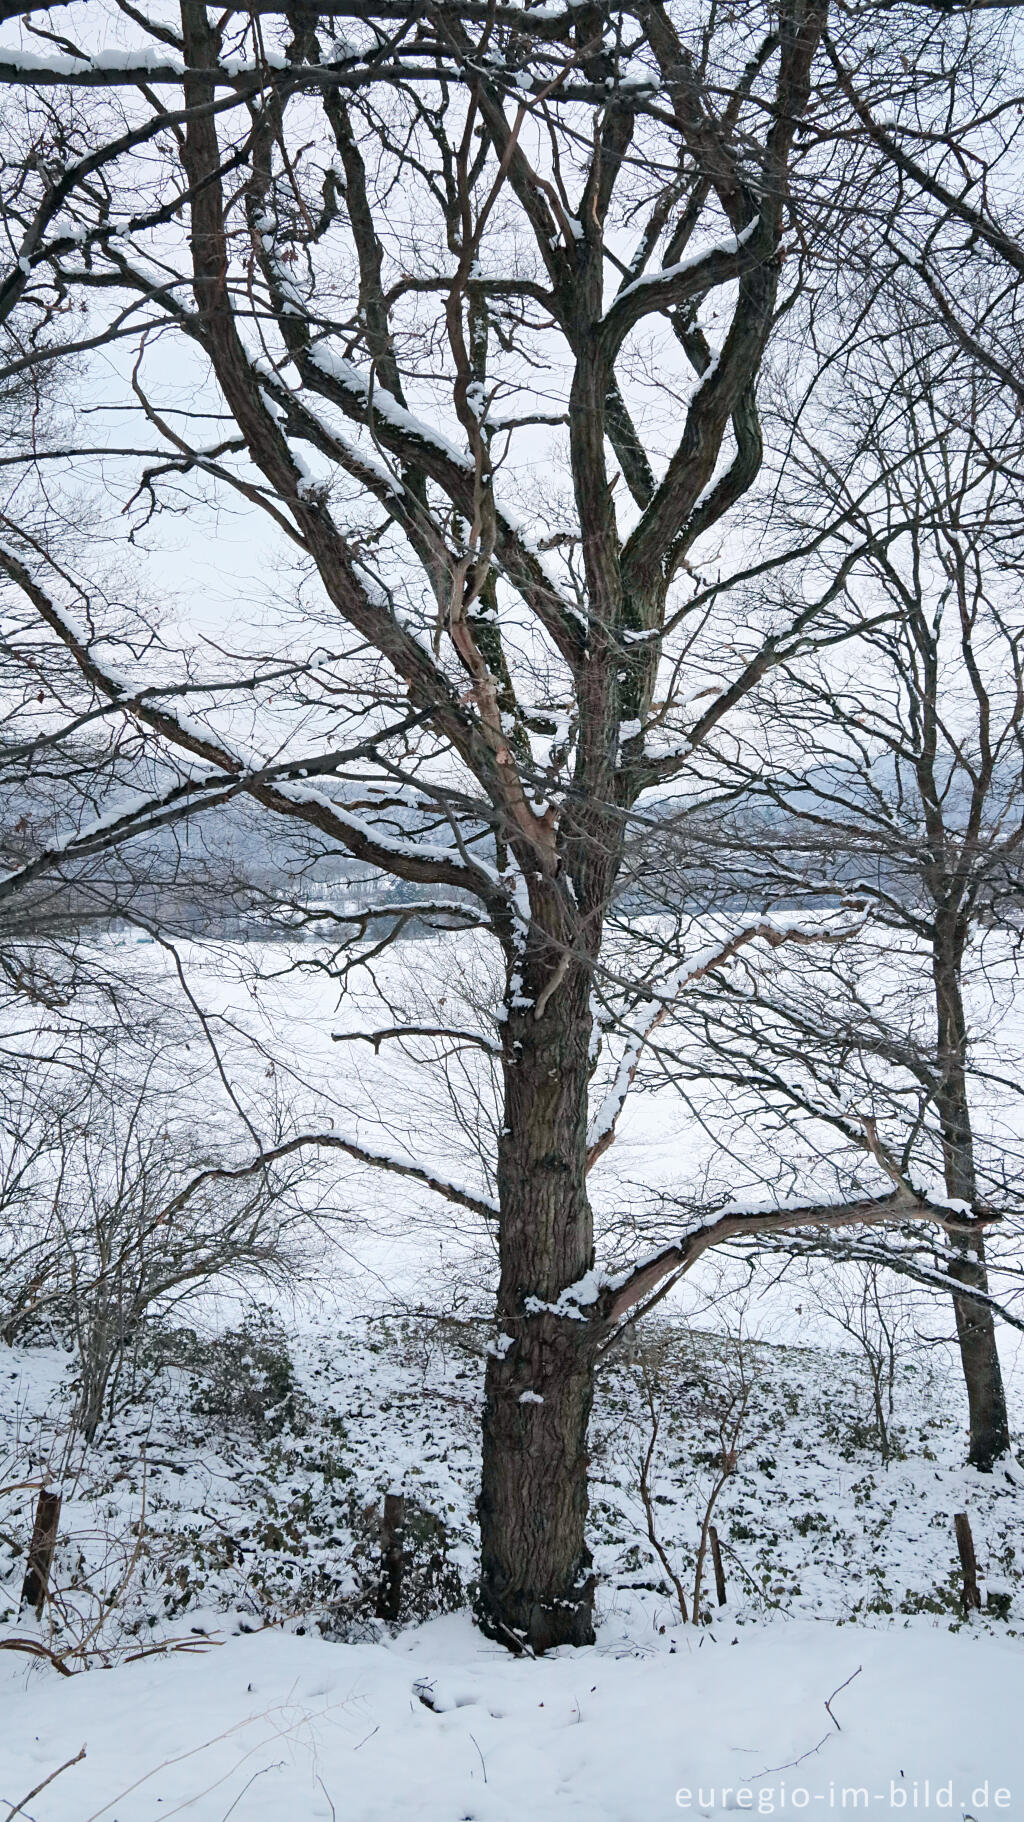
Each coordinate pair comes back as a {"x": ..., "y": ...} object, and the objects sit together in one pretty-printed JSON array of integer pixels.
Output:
[
  {"x": 536, "y": 1589},
  {"x": 975, "y": 1326}
]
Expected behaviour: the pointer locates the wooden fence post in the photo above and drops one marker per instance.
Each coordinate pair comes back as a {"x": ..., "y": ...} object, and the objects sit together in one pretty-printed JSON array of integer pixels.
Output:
[
  {"x": 968, "y": 1561},
  {"x": 392, "y": 1557},
  {"x": 40, "y": 1551},
  {"x": 716, "y": 1558}
]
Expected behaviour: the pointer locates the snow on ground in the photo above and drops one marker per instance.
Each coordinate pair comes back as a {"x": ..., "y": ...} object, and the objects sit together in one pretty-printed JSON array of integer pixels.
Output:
[
  {"x": 438, "y": 1725},
  {"x": 248, "y": 1542}
]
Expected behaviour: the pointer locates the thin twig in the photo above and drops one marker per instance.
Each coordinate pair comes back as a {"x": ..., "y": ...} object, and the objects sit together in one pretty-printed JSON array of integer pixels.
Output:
[
  {"x": 18, "y": 1808},
  {"x": 835, "y": 1692},
  {"x": 327, "y": 1794},
  {"x": 644, "y": 1466}
]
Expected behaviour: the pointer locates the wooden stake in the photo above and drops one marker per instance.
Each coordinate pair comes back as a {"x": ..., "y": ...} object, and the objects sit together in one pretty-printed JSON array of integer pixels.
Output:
[
  {"x": 716, "y": 1558},
  {"x": 392, "y": 1557},
  {"x": 40, "y": 1551},
  {"x": 968, "y": 1561}
]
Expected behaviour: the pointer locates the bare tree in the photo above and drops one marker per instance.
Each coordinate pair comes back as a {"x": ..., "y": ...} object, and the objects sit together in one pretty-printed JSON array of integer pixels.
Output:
[
  {"x": 394, "y": 260},
  {"x": 948, "y": 137},
  {"x": 115, "y": 1206},
  {"x": 893, "y": 772},
  {"x": 876, "y": 1312}
]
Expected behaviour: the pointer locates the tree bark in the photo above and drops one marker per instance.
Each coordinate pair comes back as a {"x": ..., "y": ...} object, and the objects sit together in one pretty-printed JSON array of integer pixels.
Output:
[
  {"x": 979, "y": 1355},
  {"x": 392, "y": 1557},
  {"x": 536, "y": 1588},
  {"x": 989, "y": 1430}
]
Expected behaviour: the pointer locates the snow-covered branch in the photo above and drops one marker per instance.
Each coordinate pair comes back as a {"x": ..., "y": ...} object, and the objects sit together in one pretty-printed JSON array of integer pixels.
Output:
[
  {"x": 773, "y": 930},
  {"x": 653, "y": 1277}
]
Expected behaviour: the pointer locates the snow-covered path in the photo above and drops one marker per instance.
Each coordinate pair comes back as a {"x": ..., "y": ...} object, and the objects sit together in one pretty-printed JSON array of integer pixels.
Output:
[{"x": 274, "y": 1727}]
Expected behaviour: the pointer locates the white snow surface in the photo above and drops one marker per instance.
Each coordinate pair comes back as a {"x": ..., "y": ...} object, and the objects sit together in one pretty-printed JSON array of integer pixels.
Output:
[
  {"x": 837, "y": 1568},
  {"x": 273, "y": 1726}
]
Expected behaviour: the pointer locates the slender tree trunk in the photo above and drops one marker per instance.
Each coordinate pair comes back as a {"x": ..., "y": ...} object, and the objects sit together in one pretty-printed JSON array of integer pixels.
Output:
[
  {"x": 989, "y": 1425},
  {"x": 975, "y": 1326},
  {"x": 536, "y": 1588}
]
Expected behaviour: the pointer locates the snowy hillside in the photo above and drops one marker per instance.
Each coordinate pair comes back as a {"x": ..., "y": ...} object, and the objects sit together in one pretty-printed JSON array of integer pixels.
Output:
[
  {"x": 251, "y": 1500},
  {"x": 247, "y": 1488}
]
